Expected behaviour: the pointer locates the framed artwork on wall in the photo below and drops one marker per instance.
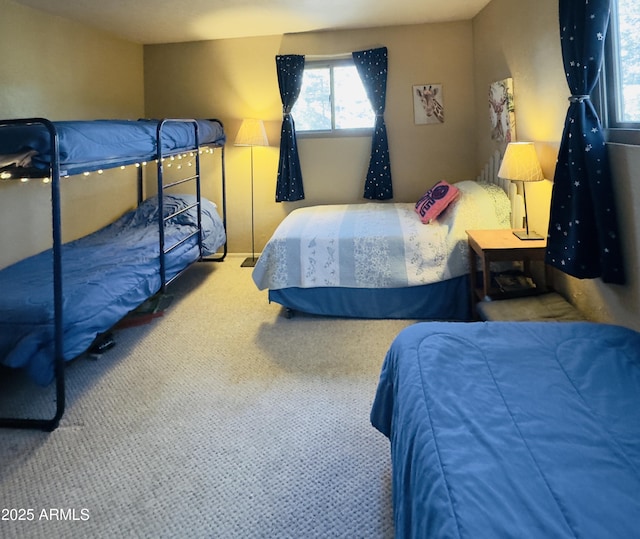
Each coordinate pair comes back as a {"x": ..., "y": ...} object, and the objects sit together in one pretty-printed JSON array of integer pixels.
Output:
[
  {"x": 502, "y": 111},
  {"x": 428, "y": 105}
]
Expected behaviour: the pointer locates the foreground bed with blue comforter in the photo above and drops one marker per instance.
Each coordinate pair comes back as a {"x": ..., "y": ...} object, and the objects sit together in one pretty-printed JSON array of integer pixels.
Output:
[
  {"x": 524, "y": 430},
  {"x": 105, "y": 275}
]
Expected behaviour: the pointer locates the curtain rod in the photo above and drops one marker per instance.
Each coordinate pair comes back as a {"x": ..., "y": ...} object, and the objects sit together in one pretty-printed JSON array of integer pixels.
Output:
[{"x": 338, "y": 56}]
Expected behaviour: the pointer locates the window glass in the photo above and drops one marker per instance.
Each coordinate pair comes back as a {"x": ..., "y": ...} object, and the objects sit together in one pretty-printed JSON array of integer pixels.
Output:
[
  {"x": 312, "y": 110},
  {"x": 352, "y": 106},
  {"x": 628, "y": 60},
  {"x": 332, "y": 99},
  {"x": 617, "y": 96}
]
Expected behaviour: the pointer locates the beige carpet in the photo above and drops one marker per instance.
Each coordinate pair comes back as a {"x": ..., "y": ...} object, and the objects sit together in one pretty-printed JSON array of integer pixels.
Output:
[{"x": 221, "y": 419}]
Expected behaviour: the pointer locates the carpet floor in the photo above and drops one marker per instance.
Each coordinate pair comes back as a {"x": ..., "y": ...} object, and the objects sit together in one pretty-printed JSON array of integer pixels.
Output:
[{"x": 221, "y": 418}]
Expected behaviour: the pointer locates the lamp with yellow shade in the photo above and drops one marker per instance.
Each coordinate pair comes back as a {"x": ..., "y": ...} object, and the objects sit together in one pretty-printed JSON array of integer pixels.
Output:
[{"x": 520, "y": 164}]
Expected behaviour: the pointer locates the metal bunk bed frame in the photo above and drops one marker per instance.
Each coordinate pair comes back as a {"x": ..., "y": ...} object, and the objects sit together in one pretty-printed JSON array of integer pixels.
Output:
[{"x": 52, "y": 423}]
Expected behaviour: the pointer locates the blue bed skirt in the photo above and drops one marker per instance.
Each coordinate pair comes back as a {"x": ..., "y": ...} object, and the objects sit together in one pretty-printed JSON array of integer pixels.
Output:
[{"x": 445, "y": 300}]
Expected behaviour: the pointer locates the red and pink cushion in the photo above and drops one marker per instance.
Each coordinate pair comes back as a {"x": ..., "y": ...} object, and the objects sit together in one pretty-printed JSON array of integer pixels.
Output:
[{"x": 435, "y": 201}]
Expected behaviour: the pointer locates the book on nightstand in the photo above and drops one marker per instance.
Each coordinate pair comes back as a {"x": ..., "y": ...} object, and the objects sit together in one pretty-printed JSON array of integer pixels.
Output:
[{"x": 513, "y": 284}]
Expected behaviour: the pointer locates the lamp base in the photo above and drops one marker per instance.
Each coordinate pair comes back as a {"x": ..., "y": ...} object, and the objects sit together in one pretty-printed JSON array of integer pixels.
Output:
[
  {"x": 249, "y": 262},
  {"x": 523, "y": 235}
]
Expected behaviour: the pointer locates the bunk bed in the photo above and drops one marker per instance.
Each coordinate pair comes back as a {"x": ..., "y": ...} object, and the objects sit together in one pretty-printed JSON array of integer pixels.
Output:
[
  {"x": 512, "y": 429},
  {"x": 55, "y": 303}
]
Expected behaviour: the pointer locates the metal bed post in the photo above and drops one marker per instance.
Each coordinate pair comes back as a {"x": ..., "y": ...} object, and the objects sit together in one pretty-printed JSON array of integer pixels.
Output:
[
  {"x": 57, "y": 280},
  {"x": 56, "y": 223},
  {"x": 140, "y": 180},
  {"x": 224, "y": 204},
  {"x": 198, "y": 190},
  {"x": 160, "y": 164}
]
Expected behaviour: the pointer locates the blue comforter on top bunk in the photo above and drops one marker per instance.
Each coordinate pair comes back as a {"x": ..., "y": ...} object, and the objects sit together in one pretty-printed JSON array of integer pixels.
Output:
[
  {"x": 502, "y": 429},
  {"x": 105, "y": 275},
  {"x": 89, "y": 145}
]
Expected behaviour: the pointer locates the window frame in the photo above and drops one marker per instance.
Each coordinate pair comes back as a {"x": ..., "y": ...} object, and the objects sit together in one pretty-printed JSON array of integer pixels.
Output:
[
  {"x": 333, "y": 132},
  {"x": 606, "y": 92}
]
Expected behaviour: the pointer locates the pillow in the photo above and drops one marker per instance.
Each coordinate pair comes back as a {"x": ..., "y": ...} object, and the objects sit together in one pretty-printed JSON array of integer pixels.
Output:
[
  {"x": 501, "y": 203},
  {"x": 435, "y": 201}
]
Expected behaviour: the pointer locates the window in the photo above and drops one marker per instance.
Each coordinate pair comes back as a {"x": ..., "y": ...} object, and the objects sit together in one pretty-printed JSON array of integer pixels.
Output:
[
  {"x": 332, "y": 100},
  {"x": 620, "y": 85}
]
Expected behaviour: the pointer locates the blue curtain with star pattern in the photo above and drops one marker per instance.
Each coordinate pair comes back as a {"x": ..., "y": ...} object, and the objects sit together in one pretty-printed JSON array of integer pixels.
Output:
[
  {"x": 372, "y": 68},
  {"x": 289, "y": 186},
  {"x": 583, "y": 236}
]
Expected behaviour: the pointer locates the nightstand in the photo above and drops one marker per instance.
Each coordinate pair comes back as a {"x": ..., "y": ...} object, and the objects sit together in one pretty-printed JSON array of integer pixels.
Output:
[{"x": 498, "y": 246}]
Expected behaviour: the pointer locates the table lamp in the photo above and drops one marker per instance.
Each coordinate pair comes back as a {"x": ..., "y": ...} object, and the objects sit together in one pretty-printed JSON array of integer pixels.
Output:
[{"x": 520, "y": 164}]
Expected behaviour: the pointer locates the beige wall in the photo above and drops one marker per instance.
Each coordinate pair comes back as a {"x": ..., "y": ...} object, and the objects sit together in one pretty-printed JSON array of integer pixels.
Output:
[
  {"x": 228, "y": 79},
  {"x": 61, "y": 70},
  {"x": 236, "y": 78},
  {"x": 521, "y": 40}
]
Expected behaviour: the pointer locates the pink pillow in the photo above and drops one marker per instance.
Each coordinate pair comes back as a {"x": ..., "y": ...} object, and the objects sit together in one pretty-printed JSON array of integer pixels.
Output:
[{"x": 435, "y": 201}]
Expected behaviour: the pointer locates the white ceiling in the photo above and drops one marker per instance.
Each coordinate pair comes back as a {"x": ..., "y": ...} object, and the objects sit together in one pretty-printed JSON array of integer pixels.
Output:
[{"x": 170, "y": 21}]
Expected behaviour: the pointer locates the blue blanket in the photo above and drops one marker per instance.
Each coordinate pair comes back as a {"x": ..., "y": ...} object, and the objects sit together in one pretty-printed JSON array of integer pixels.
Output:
[
  {"x": 524, "y": 430},
  {"x": 89, "y": 145},
  {"x": 105, "y": 275}
]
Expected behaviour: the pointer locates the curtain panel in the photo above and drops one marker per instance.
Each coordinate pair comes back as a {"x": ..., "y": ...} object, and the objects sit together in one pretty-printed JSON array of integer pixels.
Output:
[
  {"x": 583, "y": 231},
  {"x": 372, "y": 68},
  {"x": 289, "y": 186}
]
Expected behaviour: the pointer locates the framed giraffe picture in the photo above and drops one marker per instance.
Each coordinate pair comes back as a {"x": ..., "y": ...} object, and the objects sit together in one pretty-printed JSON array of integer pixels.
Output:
[
  {"x": 428, "y": 104},
  {"x": 502, "y": 111}
]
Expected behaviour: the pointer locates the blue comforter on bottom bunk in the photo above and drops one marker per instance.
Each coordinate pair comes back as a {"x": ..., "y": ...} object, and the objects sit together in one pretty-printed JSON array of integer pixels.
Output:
[
  {"x": 105, "y": 275},
  {"x": 524, "y": 430}
]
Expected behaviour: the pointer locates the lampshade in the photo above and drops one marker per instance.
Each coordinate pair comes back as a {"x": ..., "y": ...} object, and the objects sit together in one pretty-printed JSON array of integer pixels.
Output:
[
  {"x": 520, "y": 163},
  {"x": 251, "y": 133}
]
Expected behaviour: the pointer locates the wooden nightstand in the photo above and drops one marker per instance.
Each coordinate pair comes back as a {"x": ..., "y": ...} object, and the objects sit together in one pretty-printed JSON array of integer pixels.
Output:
[{"x": 498, "y": 246}]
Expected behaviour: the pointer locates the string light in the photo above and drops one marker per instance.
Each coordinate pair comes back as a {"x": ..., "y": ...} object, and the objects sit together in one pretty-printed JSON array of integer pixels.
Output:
[{"x": 5, "y": 175}]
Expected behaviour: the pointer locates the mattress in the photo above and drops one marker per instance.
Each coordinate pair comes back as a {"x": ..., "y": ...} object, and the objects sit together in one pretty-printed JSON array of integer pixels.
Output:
[
  {"x": 507, "y": 429},
  {"x": 90, "y": 145},
  {"x": 105, "y": 275}
]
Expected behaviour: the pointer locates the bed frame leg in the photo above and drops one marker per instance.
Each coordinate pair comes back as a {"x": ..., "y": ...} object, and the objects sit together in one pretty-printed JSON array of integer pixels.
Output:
[{"x": 47, "y": 425}]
